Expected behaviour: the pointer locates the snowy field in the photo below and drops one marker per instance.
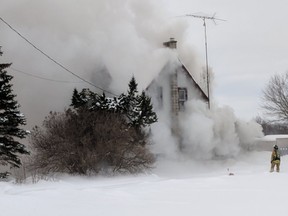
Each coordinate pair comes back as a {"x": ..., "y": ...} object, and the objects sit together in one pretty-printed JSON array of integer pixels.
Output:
[{"x": 173, "y": 188}]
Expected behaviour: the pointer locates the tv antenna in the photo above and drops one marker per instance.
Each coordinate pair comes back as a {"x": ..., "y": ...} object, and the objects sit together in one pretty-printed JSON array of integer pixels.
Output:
[{"x": 204, "y": 18}]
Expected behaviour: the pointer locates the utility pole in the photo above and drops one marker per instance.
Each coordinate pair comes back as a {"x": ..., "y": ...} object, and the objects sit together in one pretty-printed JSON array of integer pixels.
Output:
[{"x": 206, "y": 48}]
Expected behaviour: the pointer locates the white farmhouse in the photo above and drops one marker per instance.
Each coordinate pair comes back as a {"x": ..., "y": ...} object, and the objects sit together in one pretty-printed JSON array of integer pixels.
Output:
[{"x": 172, "y": 88}]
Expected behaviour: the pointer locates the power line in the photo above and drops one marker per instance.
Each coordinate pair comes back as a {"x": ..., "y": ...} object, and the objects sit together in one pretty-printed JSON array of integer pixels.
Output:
[
  {"x": 39, "y": 77},
  {"x": 50, "y": 58}
]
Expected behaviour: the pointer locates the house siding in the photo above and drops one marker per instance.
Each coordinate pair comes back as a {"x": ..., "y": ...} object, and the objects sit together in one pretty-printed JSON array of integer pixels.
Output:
[{"x": 173, "y": 77}]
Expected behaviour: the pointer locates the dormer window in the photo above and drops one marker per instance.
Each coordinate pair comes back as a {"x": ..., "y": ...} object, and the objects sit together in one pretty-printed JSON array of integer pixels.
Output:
[{"x": 182, "y": 98}]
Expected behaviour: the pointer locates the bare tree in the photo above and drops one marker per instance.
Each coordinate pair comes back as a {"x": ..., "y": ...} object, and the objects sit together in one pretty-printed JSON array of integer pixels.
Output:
[
  {"x": 272, "y": 127},
  {"x": 275, "y": 97},
  {"x": 86, "y": 142}
]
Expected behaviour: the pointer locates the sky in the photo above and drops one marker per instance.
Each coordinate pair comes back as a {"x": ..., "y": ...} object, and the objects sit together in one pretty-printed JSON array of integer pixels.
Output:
[
  {"x": 124, "y": 38},
  {"x": 198, "y": 189}
]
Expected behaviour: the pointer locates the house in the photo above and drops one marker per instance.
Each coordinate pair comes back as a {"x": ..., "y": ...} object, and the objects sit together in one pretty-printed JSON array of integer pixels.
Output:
[{"x": 173, "y": 87}]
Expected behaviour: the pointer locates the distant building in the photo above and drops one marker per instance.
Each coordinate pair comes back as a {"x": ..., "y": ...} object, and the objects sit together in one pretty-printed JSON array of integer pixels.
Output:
[{"x": 267, "y": 142}]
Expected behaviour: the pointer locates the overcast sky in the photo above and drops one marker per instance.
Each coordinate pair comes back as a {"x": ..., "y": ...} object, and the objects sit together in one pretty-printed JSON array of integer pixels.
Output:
[
  {"x": 245, "y": 51},
  {"x": 125, "y": 37}
]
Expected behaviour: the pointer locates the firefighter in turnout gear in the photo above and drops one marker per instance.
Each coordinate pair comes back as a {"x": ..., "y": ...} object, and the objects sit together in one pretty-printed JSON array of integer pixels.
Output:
[{"x": 275, "y": 159}]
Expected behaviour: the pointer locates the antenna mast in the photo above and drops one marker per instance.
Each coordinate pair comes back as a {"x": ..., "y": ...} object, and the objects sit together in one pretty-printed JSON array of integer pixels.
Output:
[{"x": 206, "y": 48}]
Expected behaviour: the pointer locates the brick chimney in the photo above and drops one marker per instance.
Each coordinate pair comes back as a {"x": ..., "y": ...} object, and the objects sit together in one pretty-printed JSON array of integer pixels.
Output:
[
  {"x": 174, "y": 97},
  {"x": 174, "y": 93},
  {"x": 172, "y": 43}
]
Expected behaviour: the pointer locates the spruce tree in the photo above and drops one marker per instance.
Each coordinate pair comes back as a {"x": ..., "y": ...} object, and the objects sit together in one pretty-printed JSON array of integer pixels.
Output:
[
  {"x": 10, "y": 122},
  {"x": 129, "y": 104},
  {"x": 132, "y": 87},
  {"x": 76, "y": 99},
  {"x": 146, "y": 115},
  {"x": 139, "y": 109},
  {"x": 102, "y": 102}
]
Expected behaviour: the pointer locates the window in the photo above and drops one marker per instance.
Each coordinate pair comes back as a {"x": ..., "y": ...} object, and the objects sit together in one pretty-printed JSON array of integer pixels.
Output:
[
  {"x": 182, "y": 98},
  {"x": 160, "y": 96}
]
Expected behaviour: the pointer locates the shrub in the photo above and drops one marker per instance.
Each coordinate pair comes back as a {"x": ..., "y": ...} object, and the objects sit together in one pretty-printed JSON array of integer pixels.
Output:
[{"x": 85, "y": 142}]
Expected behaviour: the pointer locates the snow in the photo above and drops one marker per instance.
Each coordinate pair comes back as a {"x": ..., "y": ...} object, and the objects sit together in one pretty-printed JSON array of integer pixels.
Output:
[
  {"x": 3, "y": 120},
  {"x": 172, "y": 188}
]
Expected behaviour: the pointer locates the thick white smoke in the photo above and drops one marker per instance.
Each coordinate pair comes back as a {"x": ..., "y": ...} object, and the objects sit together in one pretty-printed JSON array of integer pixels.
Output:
[
  {"x": 206, "y": 134},
  {"x": 106, "y": 42},
  {"x": 111, "y": 39}
]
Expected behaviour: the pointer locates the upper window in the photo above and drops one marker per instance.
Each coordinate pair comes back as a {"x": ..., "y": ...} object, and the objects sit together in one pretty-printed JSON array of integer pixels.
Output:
[
  {"x": 160, "y": 96},
  {"x": 182, "y": 98}
]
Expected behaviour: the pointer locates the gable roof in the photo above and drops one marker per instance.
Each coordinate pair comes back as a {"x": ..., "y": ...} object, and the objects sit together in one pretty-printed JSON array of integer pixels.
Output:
[{"x": 196, "y": 85}]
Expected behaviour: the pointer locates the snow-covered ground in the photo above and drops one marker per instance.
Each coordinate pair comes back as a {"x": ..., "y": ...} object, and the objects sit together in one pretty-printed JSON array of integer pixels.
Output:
[{"x": 173, "y": 188}]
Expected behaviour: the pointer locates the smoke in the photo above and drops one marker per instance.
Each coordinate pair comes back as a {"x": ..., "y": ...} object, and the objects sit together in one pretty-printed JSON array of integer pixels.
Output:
[
  {"x": 205, "y": 134},
  {"x": 106, "y": 42}
]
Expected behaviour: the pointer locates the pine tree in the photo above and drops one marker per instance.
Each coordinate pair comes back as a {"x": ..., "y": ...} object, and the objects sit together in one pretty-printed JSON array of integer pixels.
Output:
[
  {"x": 102, "y": 102},
  {"x": 132, "y": 87},
  {"x": 129, "y": 102},
  {"x": 146, "y": 115},
  {"x": 76, "y": 99},
  {"x": 138, "y": 108},
  {"x": 10, "y": 121},
  {"x": 84, "y": 98}
]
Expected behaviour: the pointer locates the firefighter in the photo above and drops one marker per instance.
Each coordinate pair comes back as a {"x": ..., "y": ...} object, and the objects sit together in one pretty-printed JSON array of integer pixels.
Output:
[{"x": 275, "y": 159}]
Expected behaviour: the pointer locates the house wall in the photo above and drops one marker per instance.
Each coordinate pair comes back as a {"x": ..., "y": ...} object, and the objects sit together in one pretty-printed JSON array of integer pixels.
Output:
[
  {"x": 166, "y": 81},
  {"x": 185, "y": 81},
  {"x": 161, "y": 83}
]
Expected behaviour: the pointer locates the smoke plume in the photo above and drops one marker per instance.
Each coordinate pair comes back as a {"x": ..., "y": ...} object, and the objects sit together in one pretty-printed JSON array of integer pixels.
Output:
[{"x": 106, "y": 42}]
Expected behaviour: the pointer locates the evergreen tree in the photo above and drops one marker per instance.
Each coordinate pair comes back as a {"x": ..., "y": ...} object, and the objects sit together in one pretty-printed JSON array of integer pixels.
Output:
[
  {"x": 146, "y": 115},
  {"x": 84, "y": 98},
  {"x": 138, "y": 108},
  {"x": 10, "y": 121},
  {"x": 102, "y": 102},
  {"x": 76, "y": 99},
  {"x": 129, "y": 104},
  {"x": 132, "y": 88}
]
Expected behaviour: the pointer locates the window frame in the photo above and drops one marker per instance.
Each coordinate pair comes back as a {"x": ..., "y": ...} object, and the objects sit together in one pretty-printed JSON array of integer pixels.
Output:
[{"x": 184, "y": 97}]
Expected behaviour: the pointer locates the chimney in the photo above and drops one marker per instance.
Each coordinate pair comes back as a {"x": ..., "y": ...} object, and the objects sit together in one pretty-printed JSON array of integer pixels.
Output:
[
  {"x": 171, "y": 44},
  {"x": 174, "y": 93}
]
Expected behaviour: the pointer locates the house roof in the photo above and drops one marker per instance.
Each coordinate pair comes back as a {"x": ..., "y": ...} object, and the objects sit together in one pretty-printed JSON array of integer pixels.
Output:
[
  {"x": 186, "y": 71},
  {"x": 172, "y": 44},
  {"x": 203, "y": 94}
]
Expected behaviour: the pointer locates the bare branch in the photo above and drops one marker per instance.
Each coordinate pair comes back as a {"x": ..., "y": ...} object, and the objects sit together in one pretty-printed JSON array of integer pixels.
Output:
[
  {"x": 275, "y": 97},
  {"x": 88, "y": 142}
]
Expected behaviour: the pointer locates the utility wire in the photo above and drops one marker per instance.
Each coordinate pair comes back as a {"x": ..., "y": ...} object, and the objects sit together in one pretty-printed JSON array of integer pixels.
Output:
[
  {"x": 39, "y": 77},
  {"x": 59, "y": 64}
]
